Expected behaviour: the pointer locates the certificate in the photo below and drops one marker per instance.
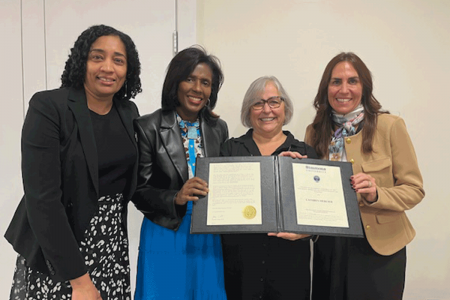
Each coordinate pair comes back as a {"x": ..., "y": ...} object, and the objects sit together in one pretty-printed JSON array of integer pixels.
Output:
[
  {"x": 319, "y": 195},
  {"x": 234, "y": 194},
  {"x": 275, "y": 194}
]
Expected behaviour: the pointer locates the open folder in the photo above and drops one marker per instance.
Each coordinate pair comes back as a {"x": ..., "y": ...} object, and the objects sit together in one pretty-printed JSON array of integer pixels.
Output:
[{"x": 276, "y": 194}]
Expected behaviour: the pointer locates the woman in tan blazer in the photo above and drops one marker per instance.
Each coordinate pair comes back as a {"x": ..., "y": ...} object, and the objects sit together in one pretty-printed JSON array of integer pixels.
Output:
[{"x": 350, "y": 126}]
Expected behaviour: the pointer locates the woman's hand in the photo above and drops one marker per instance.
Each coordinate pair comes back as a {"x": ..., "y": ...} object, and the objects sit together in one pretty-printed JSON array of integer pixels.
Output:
[
  {"x": 84, "y": 289},
  {"x": 192, "y": 187},
  {"x": 365, "y": 185},
  {"x": 292, "y": 154},
  {"x": 288, "y": 235}
]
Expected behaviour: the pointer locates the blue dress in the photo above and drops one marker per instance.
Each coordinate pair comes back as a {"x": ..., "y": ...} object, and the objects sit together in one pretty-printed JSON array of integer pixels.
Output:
[{"x": 177, "y": 264}]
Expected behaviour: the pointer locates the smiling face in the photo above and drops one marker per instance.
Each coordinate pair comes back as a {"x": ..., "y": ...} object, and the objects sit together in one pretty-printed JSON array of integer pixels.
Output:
[
  {"x": 106, "y": 68},
  {"x": 344, "y": 89},
  {"x": 193, "y": 92},
  {"x": 268, "y": 120}
]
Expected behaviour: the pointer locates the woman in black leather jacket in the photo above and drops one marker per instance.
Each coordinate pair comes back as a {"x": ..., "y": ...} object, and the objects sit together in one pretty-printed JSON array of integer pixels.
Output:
[{"x": 173, "y": 264}]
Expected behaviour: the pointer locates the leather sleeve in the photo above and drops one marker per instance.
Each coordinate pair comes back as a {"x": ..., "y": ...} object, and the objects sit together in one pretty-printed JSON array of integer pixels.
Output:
[
  {"x": 153, "y": 196},
  {"x": 225, "y": 133}
]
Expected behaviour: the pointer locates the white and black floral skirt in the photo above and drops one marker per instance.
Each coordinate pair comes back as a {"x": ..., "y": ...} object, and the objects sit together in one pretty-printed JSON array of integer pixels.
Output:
[{"x": 105, "y": 249}]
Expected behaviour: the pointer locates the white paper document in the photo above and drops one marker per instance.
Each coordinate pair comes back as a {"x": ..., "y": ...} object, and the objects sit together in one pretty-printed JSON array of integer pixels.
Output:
[
  {"x": 319, "y": 195},
  {"x": 234, "y": 196}
]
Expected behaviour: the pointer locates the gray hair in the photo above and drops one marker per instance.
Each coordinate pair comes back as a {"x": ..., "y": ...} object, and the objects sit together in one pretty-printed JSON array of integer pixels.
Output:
[{"x": 253, "y": 95}]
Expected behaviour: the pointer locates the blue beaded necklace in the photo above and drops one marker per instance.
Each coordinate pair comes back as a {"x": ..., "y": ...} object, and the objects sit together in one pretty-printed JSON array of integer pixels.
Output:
[{"x": 190, "y": 131}]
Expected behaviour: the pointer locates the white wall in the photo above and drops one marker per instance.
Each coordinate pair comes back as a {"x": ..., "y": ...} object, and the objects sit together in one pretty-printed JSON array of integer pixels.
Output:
[
  {"x": 37, "y": 36},
  {"x": 406, "y": 45},
  {"x": 11, "y": 119}
]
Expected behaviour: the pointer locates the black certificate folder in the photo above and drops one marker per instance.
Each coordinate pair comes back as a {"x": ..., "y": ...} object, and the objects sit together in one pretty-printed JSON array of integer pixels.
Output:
[{"x": 276, "y": 194}]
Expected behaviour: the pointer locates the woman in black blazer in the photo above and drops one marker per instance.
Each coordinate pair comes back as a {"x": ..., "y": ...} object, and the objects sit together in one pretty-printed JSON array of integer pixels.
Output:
[
  {"x": 174, "y": 264},
  {"x": 79, "y": 160}
]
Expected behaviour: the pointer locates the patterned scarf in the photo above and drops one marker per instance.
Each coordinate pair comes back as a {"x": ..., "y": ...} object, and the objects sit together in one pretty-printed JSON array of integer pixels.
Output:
[
  {"x": 347, "y": 127},
  {"x": 192, "y": 141}
]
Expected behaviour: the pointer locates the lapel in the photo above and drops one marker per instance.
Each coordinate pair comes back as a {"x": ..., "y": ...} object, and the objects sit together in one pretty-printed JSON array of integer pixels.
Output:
[
  {"x": 127, "y": 117},
  {"x": 207, "y": 135},
  {"x": 171, "y": 138},
  {"x": 78, "y": 105}
]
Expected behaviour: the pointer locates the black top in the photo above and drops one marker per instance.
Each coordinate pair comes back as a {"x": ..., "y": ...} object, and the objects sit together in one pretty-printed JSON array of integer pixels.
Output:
[
  {"x": 115, "y": 150},
  {"x": 258, "y": 266}
]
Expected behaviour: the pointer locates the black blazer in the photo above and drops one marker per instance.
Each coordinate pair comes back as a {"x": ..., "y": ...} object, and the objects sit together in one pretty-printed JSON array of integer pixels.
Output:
[
  {"x": 60, "y": 179},
  {"x": 163, "y": 168}
]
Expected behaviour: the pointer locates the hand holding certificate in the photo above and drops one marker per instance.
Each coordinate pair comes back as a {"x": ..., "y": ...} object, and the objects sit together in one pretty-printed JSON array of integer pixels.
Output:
[{"x": 274, "y": 194}]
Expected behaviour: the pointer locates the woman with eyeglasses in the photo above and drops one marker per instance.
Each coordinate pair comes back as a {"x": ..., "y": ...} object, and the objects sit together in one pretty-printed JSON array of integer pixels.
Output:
[{"x": 272, "y": 265}]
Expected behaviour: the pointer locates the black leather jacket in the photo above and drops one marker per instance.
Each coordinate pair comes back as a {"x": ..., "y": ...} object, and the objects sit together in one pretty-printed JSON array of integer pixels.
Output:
[{"x": 162, "y": 168}]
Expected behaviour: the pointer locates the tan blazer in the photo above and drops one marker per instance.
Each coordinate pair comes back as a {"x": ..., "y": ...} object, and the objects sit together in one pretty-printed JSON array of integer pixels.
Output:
[{"x": 393, "y": 164}]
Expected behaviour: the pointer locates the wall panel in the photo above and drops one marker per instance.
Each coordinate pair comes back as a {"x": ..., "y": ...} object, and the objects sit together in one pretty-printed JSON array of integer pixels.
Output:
[{"x": 11, "y": 118}]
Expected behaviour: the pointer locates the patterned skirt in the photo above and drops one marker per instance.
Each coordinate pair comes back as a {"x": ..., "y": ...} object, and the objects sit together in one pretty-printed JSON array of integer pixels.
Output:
[{"x": 105, "y": 249}]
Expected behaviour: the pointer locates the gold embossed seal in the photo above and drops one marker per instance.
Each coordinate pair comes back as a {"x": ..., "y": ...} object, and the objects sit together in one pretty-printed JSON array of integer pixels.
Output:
[{"x": 249, "y": 212}]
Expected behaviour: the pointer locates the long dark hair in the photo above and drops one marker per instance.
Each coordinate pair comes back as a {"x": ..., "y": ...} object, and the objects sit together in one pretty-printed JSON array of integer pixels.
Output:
[
  {"x": 75, "y": 70},
  {"x": 323, "y": 124},
  {"x": 180, "y": 67}
]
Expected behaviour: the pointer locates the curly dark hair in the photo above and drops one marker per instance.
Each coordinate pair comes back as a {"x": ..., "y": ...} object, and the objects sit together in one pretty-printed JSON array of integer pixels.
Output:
[
  {"x": 75, "y": 70},
  {"x": 180, "y": 67},
  {"x": 323, "y": 124}
]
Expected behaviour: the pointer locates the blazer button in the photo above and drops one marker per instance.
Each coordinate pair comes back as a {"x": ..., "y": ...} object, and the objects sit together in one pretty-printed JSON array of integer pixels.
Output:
[
  {"x": 352, "y": 161},
  {"x": 367, "y": 227},
  {"x": 50, "y": 267},
  {"x": 348, "y": 140}
]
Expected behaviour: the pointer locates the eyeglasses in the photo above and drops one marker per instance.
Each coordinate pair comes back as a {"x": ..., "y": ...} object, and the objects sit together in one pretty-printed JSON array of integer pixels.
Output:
[{"x": 273, "y": 102}]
